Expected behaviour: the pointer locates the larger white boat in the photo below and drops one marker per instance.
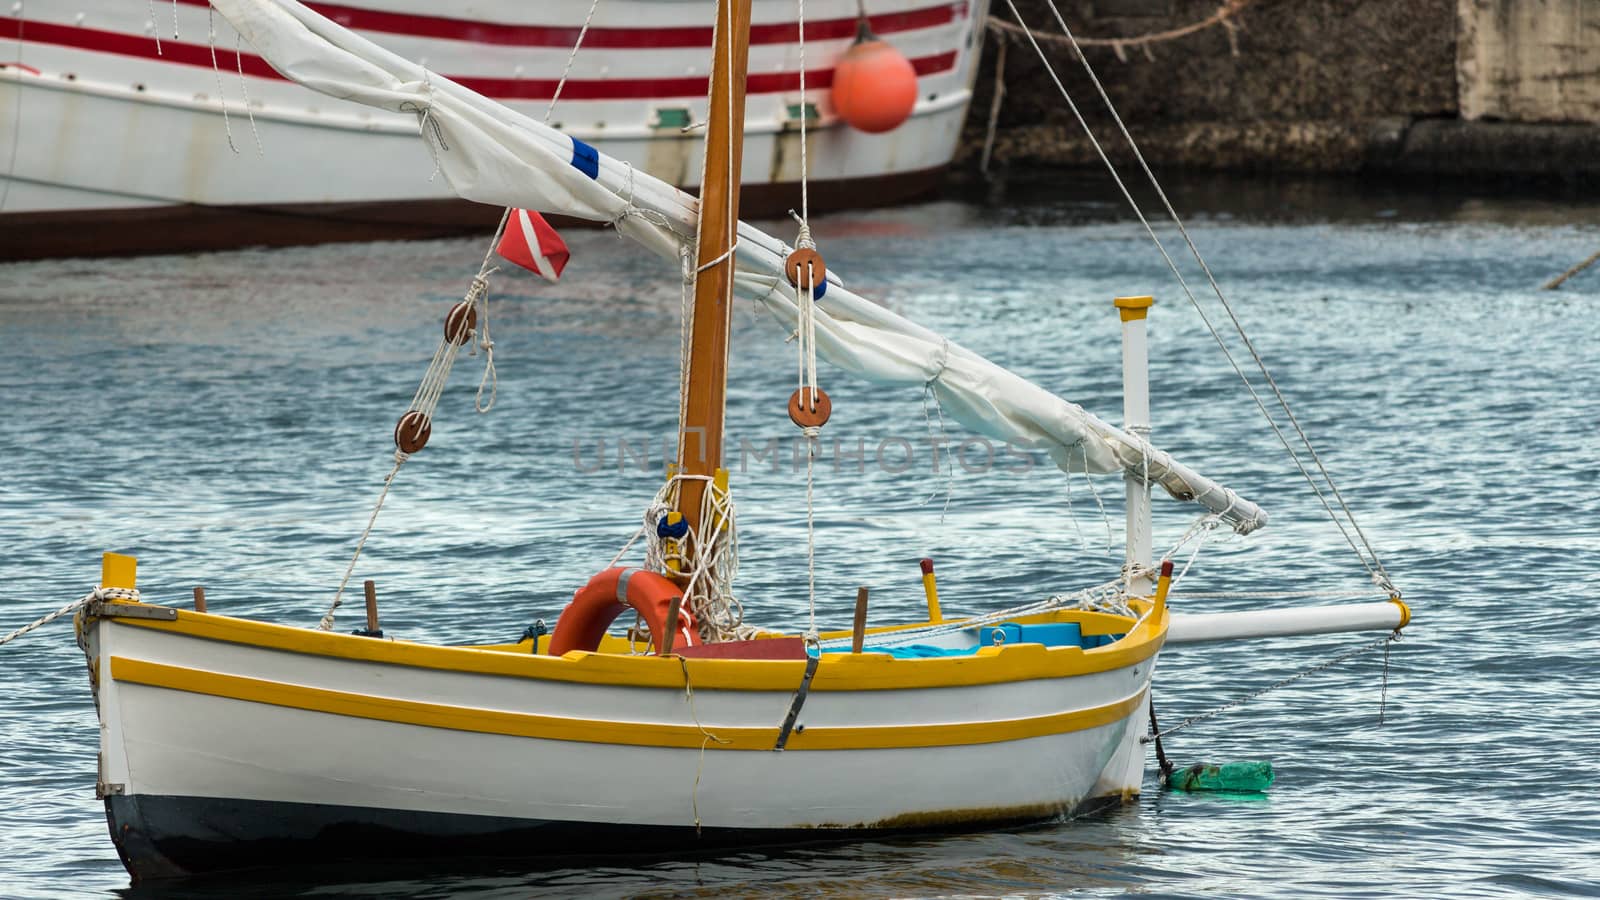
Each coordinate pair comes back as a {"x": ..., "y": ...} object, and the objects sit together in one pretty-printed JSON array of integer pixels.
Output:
[{"x": 114, "y": 137}]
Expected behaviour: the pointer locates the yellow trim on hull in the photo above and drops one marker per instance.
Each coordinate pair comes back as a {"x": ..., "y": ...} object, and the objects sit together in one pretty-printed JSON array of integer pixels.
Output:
[
  {"x": 596, "y": 731},
  {"x": 837, "y": 672}
]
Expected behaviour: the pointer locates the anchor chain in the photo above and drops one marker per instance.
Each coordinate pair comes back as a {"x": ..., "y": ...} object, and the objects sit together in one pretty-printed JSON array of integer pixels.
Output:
[{"x": 1384, "y": 642}]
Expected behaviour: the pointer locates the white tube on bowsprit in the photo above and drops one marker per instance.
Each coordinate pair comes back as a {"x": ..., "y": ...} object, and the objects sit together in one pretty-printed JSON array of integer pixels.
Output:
[{"x": 1196, "y": 628}]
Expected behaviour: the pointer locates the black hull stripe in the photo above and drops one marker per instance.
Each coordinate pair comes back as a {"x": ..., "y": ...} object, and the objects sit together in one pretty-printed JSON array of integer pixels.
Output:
[{"x": 167, "y": 836}]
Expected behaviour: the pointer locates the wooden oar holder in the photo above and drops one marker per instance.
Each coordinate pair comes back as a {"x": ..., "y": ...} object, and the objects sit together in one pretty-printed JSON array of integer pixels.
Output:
[
  {"x": 372, "y": 629},
  {"x": 858, "y": 631},
  {"x": 199, "y": 599}
]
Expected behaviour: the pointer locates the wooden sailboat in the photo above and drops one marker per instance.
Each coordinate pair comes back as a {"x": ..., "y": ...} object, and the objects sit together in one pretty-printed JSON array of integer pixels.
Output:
[{"x": 228, "y": 742}]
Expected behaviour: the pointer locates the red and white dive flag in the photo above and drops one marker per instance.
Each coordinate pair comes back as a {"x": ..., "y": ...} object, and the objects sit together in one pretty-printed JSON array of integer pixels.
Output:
[{"x": 531, "y": 243}]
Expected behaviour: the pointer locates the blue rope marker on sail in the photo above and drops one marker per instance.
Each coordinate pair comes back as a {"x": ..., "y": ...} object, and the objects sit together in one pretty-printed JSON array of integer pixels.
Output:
[{"x": 585, "y": 159}]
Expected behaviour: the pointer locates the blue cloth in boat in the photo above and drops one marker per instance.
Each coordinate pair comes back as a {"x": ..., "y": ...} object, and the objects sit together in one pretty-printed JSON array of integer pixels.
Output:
[{"x": 1050, "y": 634}]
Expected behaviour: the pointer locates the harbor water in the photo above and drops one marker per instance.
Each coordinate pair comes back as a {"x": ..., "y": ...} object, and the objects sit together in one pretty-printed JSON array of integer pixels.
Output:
[{"x": 226, "y": 418}]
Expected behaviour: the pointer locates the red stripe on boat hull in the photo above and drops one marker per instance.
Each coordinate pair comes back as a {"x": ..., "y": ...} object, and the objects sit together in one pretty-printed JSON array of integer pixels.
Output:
[
  {"x": 495, "y": 88},
  {"x": 504, "y": 34}
]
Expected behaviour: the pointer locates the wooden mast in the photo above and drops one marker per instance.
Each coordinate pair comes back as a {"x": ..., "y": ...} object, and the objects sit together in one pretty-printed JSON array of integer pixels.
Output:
[{"x": 700, "y": 431}]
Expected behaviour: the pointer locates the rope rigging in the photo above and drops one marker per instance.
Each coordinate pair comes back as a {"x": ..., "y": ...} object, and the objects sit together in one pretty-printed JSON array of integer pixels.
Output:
[
  {"x": 467, "y": 323},
  {"x": 1347, "y": 525},
  {"x": 809, "y": 406},
  {"x": 411, "y": 433}
]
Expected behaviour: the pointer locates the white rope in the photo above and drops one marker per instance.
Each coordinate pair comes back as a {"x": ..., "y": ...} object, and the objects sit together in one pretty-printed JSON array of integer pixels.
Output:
[
  {"x": 730, "y": 221},
  {"x": 949, "y": 470},
  {"x": 1374, "y": 567},
  {"x": 326, "y": 623},
  {"x": 805, "y": 198},
  {"x": 222, "y": 98},
  {"x": 629, "y": 210},
  {"x": 566, "y": 70},
  {"x": 1095, "y": 493},
  {"x": 47, "y": 618},
  {"x": 726, "y": 255},
  {"x": 485, "y": 343},
  {"x": 244, "y": 91},
  {"x": 150, "y": 7},
  {"x": 426, "y": 399},
  {"x": 685, "y": 326},
  {"x": 424, "y": 119},
  {"x": 811, "y": 532},
  {"x": 712, "y": 557}
]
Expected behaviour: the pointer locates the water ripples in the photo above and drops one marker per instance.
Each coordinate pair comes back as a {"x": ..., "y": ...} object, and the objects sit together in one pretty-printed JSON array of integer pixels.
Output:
[{"x": 226, "y": 418}]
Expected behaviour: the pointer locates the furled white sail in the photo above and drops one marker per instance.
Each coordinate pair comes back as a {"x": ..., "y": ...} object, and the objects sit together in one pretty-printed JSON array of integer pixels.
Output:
[{"x": 494, "y": 155}]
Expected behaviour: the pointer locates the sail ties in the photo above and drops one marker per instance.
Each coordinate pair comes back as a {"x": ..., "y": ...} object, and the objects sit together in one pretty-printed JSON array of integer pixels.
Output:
[
  {"x": 630, "y": 211},
  {"x": 424, "y": 114},
  {"x": 722, "y": 258}
]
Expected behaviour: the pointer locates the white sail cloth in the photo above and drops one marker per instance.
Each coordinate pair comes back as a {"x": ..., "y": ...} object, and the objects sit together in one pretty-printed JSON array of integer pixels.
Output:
[{"x": 494, "y": 155}]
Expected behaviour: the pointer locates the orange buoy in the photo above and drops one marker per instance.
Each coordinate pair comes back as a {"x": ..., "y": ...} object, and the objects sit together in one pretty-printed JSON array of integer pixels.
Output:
[{"x": 874, "y": 86}]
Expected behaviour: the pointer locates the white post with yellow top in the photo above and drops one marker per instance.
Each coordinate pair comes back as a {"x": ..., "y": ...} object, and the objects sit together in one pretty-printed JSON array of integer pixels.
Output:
[{"x": 1136, "y": 421}]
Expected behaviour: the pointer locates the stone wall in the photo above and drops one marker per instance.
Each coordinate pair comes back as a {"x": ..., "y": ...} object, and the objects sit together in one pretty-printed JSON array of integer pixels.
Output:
[
  {"x": 1530, "y": 60},
  {"x": 1304, "y": 85}
]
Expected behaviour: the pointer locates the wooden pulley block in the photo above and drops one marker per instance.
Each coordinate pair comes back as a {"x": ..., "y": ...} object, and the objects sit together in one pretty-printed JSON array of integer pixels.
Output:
[
  {"x": 411, "y": 433},
  {"x": 796, "y": 266},
  {"x": 460, "y": 322},
  {"x": 809, "y": 414}
]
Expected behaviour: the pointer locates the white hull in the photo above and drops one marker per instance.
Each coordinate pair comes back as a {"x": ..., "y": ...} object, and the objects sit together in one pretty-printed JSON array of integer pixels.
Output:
[
  {"x": 100, "y": 121},
  {"x": 201, "y": 714}
]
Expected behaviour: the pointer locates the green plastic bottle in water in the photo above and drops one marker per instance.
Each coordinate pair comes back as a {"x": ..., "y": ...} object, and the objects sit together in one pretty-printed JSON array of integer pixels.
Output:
[{"x": 1241, "y": 777}]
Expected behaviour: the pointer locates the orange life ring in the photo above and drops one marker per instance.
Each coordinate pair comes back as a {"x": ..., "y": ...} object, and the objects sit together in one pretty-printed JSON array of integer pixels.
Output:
[{"x": 597, "y": 604}]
